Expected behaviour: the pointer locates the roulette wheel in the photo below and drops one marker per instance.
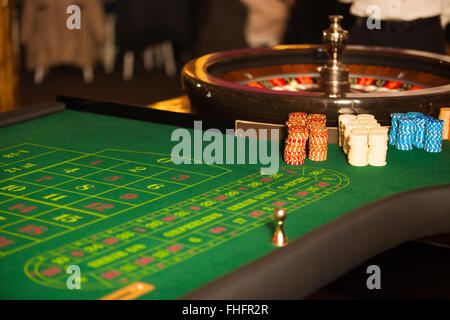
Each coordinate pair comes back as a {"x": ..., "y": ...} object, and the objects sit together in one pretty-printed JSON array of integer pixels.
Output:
[{"x": 266, "y": 84}]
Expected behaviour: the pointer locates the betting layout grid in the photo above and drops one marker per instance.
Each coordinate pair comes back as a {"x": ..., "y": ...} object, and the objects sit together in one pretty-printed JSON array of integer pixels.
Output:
[
  {"x": 46, "y": 192},
  {"x": 146, "y": 245}
]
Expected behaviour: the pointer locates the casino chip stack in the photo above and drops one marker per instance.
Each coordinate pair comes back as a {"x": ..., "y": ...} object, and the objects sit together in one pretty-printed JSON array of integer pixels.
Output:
[
  {"x": 342, "y": 119},
  {"x": 433, "y": 135},
  {"x": 363, "y": 139},
  {"x": 295, "y": 149},
  {"x": 394, "y": 127},
  {"x": 416, "y": 129},
  {"x": 419, "y": 131},
  {"x": 318, "y": 140},
  {"x": 348, "y": 127},
  {"x": 317, "y": 118},
  {"x": 358, "y": 148},
  {"x": 444, "y": 115},
  {"x": 378, "y": 146},
  {"x": 405, "y": 133}
]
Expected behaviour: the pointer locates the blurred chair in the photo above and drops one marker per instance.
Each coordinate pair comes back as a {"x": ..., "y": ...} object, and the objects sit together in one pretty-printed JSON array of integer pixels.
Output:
[{"x": 49, "y": 42}]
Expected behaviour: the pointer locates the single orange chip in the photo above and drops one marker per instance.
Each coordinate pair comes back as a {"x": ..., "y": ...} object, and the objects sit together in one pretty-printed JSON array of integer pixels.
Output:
[{"x": 130, "y": 292}]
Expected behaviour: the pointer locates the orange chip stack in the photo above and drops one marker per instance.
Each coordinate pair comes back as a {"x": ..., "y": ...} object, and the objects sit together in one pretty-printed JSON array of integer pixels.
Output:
[
  {"x": 296, "y": 119},
  {"x": 295, "y": 149},
  {"x": 318, "y": 138},
  {"x": 317, "y": 118},
  {"x": 444, "y": 114}
]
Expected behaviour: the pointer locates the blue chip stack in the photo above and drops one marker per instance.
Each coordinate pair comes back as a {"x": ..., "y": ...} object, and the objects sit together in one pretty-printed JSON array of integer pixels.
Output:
[
  {"x": 419, "y": 132},
  {"x": 394, "y": 127},
  {"x": 413, "y": 115},
  {"x": 405, "y": 133},
  {"x": 433, "y": 135}
]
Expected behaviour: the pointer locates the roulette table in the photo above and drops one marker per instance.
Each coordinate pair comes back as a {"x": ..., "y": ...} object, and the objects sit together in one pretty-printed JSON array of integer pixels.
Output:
[
  {"x": 94, "y": 206},
  {"x": 93, "y": 185}
]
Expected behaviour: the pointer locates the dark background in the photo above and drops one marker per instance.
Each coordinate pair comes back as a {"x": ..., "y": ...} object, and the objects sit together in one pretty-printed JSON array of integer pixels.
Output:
[{"x": 195, "y": 27}]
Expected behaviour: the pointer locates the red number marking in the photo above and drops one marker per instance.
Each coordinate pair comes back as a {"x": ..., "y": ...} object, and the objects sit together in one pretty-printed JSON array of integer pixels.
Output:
[
  {"x": 265, "y": 179},
  {"x": 220, "y": 198},
  {"x": 99, "y": 206},
  {"x": 322, "y": 184},
  {"x": 279, "y": 203},
  {"x": 195, "y": 208},
  {"x": 217, "y": 230},
  {"x": 175, "y": 247},
  {"x": 44, "y": 178},
  {"x": 256, "y": 213},
  {"x": 168, "y": 218},
  {"x": 144, "y": 261},
  {"x": 140, "y": 229},
  {"x": 50, "y": 272},
  {"x": 4, "y": 242},
  {"x": 33, "y": 230},
  {"x": 77, "y": 253},
  {"x": 129, "y": 196},
  {"x": 99, "y": 161},
  {"x": 302, "y": 193},
  {"x": 181, "y": 177},
  {"x": 114, "y": 178},
  {"x": 110, "y": 241},
  {"x": 242, "y": 188},
  {"x": 22, "y": 208},
  {"x": 109, "y": 275}
]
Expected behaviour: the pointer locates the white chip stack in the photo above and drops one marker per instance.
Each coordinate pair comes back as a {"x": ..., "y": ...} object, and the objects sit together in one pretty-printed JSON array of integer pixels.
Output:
[
  {"x": 363, "y": 139},
  {"x": 358, "y": 148},
  {"x": 378, "y": 140},
  {"x": 364, "y": 116},
  {"x": 342, "y": 119},
  {"x": 348, "y": 127}
]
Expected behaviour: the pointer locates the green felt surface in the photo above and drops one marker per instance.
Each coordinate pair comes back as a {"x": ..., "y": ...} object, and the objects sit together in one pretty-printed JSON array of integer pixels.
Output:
[{"x": 99, "y": 192}]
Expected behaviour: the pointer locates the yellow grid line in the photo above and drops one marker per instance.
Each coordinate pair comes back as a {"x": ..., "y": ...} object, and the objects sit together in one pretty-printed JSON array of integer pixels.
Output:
[
  {"x": 152, "y": 165},
  {"x": 19, "y": 235},
  {"x": 163, "y": 154},
  {"x": 18, "y": 145},
  {"x": 39, "y": 155},
  {"x": 74, "y": 192},
  {"x": 131, "y": 174},
  {"x": 40, "y": 220},
  {"x": 44, "y": 168},
  {"x": 240, "y": 230},
  {"x": 56, "y": 206},
  {"x": 75, "y": 178}
]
